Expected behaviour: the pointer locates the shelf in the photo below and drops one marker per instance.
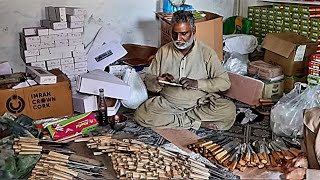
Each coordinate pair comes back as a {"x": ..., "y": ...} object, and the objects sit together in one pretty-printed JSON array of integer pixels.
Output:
[{"x": 293, "y": 2}]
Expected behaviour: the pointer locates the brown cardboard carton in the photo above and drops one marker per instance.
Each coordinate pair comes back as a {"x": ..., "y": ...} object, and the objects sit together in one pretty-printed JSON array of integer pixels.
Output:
[
  {"x": 41, "y": 101},
  {"x": 138, "y": 55},
  {"x": 209, "y": 31},
  {"x": 245, "y": 89},
  {"x": 290, "y": 80},
  {"x": 264, "y": 70},
  {"x": 286, "y": 49}
]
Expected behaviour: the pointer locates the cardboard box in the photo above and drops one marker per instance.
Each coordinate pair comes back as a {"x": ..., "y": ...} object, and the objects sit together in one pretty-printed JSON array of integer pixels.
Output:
[
  {"x": 273, "y": 90},
  {"x": 41, "y": 76},
  {"x": 245, "y": 89},
  {"x": 289, "y": 50},
  {"x": 53, "y": 24},
  {"x": 264, "y": 70},
  {"x": 41, "y": 101},
  {"x": 30, "y": 59},
  {"x": 138, "y": 55},
  {"x": 73, "y": 127},
  {"x": 75, "y": 11},
  {"x": 290, "y": 80},
  {"x": 78, "y": 18},
  {"x": 114, "y": 87},
  {"x": 209, "y": 31},
  {"x": 86, "y": 103}
]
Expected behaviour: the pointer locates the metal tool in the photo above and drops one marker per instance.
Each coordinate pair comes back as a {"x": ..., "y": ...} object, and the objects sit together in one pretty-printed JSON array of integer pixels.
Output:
[{"x": 225, "y": 149}]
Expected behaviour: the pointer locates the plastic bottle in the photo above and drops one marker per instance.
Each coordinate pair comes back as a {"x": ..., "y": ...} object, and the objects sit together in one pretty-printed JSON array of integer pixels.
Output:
[{"x": 102, "y": 109}]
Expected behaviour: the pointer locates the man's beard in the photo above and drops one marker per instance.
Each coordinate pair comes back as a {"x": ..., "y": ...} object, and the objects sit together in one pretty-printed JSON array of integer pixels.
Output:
[{"x": 184, "y": 45}]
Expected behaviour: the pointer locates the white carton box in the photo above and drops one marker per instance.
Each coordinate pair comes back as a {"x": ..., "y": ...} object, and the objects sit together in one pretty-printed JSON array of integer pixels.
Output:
[
  {"x": 86, "y": 103},
  {"x": 60, "y": 31},
  {"x": 39, "y": 64},
  {"x": 66, "y": 54},
  {"x": 31, "y": 31},
  {"x": 44, "y": 51},
  {"x": 54, "y": 67},
  {"x": 28, "y": 53},
  {"x": 61, "y": 13},
  {"x": 74, "y": 42},
  {"x": 53, "y": 25},
  {"x": 48, "y": 38},
  {"x": 61, "y": 36},
  {"x": 67, "y": 61},
  {"x": 50, "y": 13},
  {"x": 32, "y": 39},
  {"x": 41, "y": 76},
  {"x": 80, "y": 64},
  {"x": 33, "y": 46},
  {"x": 68, "y": 72},
  {"x": 30, "y": 59},
  {"x": 77, "y": 30},
  {"x": 80, "y": 59},
  {"x": 52, "y": 63},
  {"x": 78, "y": 71},
  {"x": 67, "y": 67},
  {"x": 74, "y": 35},
  {"x": 75, "y": 11},
  {"x": 113, "y": 87},
  {"x": 75, "y": 24},
  {"x": 61, "y": 43},
  {"x": 46, "y": 44},
  {"x": 79, "y": 18},
  {"x": 49, "y": 57},
  {"x": 43, "y": 32}
]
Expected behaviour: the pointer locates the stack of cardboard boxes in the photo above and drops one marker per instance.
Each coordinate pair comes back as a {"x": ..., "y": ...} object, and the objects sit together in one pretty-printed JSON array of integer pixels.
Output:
[
  {"x": 301, "y": 19},
  {"x": 57, "y": 44}
]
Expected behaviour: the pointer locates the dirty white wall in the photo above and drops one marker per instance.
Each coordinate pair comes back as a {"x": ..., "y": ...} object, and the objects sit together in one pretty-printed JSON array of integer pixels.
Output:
[{"x": 133, "y": 20}]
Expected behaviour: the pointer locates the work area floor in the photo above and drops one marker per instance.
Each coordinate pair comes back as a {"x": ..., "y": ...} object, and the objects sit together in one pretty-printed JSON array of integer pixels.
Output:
[{"x": 181, "y": 138}]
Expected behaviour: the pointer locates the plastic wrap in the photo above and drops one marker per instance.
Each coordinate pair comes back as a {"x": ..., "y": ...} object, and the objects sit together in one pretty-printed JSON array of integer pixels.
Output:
[{"x": 286, "y": 118}]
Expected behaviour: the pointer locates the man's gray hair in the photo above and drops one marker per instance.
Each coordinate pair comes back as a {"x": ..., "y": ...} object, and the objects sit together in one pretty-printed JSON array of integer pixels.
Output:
[{"x": 183, "y": 16}]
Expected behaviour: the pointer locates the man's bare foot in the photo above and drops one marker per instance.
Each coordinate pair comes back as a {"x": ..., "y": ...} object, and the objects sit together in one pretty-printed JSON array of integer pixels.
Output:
[{"x": 209, "y": 125}]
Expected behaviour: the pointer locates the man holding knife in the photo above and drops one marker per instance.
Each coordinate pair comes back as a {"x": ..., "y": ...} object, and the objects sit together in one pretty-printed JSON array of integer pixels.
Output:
[{"x": 190, "y": 76}]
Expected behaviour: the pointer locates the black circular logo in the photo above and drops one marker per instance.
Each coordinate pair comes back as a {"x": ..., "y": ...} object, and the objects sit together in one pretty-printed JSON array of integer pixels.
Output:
[{"x": 15, "y": 104}]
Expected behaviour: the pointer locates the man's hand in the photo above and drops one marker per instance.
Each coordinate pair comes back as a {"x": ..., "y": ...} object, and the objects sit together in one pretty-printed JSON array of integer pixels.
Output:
[
  {"x": 165, "y": 77},
  {"x": 189, "y": 83},
  {"x": 300, "y": 161},
  {"x": 296, "y": 173}
]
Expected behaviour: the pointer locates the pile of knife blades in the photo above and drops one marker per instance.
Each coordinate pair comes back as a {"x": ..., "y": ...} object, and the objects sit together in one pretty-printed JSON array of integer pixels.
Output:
[{"x": 235, "y": 155}]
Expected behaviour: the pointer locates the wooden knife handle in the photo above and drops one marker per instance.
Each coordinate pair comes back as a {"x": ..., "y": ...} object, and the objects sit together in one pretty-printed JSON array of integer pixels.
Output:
[
  {"x": 224, "y": 158},
  {"x": 221, "y": 154},
  {"x": 85, "y": 160},
  {"x": 217, "y": 151},
  {"x": 262, "y": 158},
  {"x": 66, "y": 170},
  {"x": 288, "y": 155},
  {"x": 295, "y": 151},
  {"x": 233, "y": 165},
  {"x": 256, "y": 158},
  {"x": 276, "y": 157},
  {"x": 272, "y": 161},
  {"x": 247, "y": 157},
  {"x": 267, "y": 158},
  {"x": 252, "y": 162},
  {"x": 58, "y": 155},
  {"x": 241, "y": 161},
  {"x": 226, "y": 162},
  {"x": 213, "y": 148}
]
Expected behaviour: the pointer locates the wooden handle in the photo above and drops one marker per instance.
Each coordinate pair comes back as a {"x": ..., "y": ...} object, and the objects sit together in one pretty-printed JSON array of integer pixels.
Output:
[
  {"x": 233, "y": 165},
  {"x": 59, "y": 173},
  {"x": 226, "y": 162},
  {"x": 288, "y": 155},
  {"x": 217, "y": 151},
  {"x": 272, "y": 161},
  {"x": 262, "y": 158},
  {"x": 256, "y": 158},
  {"x": 276, "y": 157},
  {"x": 66, "y": 170},
  {"x": 265, "y": 100},
  {"x": 295, "y": 151},
  {"x": 224, "y": 158},
  {"x": 252, "y": 160},
  {"x": 247, "y": 157},
  {"x": 213, "y": 148},
  {"x": 267, "y": 158},
  {"x": 221, "y": 154},
  {"x": 241, "y": 161},
  {"x": 58, "y": 155},
  {"x": 85, "y": 160}
]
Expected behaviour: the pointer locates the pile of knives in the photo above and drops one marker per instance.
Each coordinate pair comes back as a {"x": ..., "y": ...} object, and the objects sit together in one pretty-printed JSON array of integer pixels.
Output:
[{"x": 233, "y": 155}]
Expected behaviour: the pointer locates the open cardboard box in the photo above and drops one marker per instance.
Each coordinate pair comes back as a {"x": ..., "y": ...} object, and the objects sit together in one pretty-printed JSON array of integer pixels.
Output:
[
  {"x": 289, "y": 50},
  {"x": 138, "y": 55},
  {"x": 39, "y": 101}
]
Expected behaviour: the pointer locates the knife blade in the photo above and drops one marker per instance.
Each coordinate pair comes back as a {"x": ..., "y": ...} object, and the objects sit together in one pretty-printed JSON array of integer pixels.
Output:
[
  {"x": 218, "y": 145},
  {"x": 225, "y": 149}
]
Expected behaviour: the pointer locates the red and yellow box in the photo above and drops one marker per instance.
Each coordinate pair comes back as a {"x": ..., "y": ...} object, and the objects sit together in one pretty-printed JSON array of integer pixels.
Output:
[{"x": 73, "y": 127}]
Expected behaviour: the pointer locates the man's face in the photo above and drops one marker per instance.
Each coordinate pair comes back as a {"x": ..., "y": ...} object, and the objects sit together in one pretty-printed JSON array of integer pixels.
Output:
[{"x": 182, "y": 35}]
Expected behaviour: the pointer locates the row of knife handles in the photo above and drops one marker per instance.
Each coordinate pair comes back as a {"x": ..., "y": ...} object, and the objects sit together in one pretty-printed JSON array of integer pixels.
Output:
[{"x": 215, "y": 153}]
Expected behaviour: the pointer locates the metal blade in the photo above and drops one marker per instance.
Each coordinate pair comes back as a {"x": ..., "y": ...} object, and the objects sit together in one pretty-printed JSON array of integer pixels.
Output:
[{"x": 228, "y": 147}]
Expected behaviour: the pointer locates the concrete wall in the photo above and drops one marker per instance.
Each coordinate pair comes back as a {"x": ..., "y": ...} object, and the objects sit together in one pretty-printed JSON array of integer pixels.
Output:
[{"x": 133, "y": 20}]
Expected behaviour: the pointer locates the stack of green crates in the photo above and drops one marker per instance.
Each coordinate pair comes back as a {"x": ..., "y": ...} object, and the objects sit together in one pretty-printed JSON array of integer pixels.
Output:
[{"x": 278, "y": 18}]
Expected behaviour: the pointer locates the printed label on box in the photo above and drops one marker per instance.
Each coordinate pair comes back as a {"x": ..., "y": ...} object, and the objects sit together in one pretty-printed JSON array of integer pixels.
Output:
[{"x": 301, "y": 50}]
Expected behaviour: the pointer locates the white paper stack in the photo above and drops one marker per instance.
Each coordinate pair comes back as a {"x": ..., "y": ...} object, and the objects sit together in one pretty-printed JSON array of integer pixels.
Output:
[{"x": 57, "y": 44}]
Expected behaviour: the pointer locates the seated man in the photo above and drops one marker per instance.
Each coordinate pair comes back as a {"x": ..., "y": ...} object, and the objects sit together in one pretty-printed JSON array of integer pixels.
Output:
[
  {"x": 197, "y": 69},
  {"x": 308, "y": 167}
]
